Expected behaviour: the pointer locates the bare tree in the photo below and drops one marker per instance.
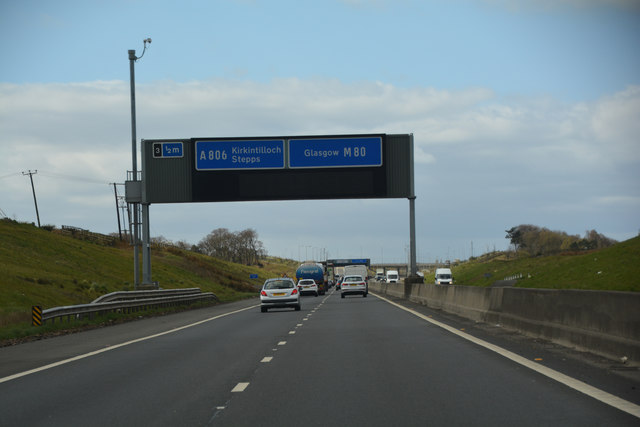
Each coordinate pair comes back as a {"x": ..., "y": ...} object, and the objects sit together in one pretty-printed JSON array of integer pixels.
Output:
[
  {"x": 240, "y": 247},
  {"x": 542, "y": 241}
]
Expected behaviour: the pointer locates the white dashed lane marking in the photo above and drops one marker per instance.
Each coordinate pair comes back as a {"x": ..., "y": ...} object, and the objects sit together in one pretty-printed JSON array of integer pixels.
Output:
[{"x": 240, "y": 387}]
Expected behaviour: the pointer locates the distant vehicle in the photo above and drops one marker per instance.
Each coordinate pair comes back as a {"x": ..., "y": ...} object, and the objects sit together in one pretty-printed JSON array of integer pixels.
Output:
[
  {"x": 444, "y": 276},
  {"x": 336, "y": 280},
  {"x": 308, "y": 286},
  {"x": 392, "y": 276},
  {"x": 379, "y": 274},
  {"x": 353, "y": 285},
  {"x": 314, "y": 271},
  {"x": 279, "y": 293},
  {"x": 357, "y": 270},
  {"x": 339, "y": 283}
]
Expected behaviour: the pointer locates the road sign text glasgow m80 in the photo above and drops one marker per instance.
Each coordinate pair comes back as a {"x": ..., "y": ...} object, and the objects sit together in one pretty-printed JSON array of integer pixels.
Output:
[
  {"x": 280, "y": 168},
  {"x": 335, "y": 152}
]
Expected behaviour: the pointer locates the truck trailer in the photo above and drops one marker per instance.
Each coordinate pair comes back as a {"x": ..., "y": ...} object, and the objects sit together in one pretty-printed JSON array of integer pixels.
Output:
[{"x": 315, "y": 271}]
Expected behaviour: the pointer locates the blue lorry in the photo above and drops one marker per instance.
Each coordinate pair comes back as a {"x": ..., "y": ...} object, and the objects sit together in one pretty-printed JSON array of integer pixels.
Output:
[{"x": 311, "y": 270}]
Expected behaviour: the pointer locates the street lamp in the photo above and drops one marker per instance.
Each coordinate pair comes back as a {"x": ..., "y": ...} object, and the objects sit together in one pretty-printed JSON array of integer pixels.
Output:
[{"x": 134, "y": 165}]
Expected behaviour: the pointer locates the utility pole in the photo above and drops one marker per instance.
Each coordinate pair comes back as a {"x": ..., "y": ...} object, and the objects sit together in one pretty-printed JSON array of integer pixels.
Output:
[
  {"x": 115, "y": 192},
  {"x": 34, "y": 192},
  {"x": 124, "y": 205}
]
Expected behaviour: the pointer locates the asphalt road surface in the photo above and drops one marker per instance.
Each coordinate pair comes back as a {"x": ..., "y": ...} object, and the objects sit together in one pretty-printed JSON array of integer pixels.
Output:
[{"x": 338, "y": 362}]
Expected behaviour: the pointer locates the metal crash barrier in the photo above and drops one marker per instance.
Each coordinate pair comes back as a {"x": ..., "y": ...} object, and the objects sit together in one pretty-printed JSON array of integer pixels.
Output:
[{"x": 128, "y": 302}]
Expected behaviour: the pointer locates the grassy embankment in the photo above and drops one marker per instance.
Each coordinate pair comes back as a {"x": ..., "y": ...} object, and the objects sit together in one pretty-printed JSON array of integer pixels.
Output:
[
  {"x": 39, "y": 267},
  {"x": 45, "y": 268},
  {"x": 616, "y": 268}
]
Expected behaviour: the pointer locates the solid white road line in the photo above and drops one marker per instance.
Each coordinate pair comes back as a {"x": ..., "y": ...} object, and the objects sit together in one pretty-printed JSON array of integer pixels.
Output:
[{"x": 602, "y": 396}]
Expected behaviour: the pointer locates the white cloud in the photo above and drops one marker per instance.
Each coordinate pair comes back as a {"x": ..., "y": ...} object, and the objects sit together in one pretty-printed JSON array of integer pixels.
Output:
[
  {"x": 616, "y": 200},
  {"x": 615, "y": 121},
  {"x": 500, "y": 159},
  {"x": 420, "y": 156}
]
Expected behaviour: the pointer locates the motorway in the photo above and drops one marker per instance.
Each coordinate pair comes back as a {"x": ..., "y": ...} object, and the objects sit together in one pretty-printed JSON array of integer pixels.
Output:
[{"x": 338, "y": 362}]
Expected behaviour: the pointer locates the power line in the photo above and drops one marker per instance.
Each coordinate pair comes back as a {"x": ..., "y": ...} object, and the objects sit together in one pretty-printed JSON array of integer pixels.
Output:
[
  {"x": 62, "y": 176},
  {"x": 73, "y": 178},
  {"x": 10, "y": 175}
]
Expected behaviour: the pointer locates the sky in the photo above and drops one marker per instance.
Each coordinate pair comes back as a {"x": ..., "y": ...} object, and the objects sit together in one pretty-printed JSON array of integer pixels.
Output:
[{"x": 522, "y": 111}]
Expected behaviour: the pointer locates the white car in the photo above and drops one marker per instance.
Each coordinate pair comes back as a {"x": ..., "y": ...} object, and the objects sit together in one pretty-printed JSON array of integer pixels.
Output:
[
  {"x": 308, "y": 286},
  {"x": 279, "y": 293},
  {"x": 353, "y": 285}
]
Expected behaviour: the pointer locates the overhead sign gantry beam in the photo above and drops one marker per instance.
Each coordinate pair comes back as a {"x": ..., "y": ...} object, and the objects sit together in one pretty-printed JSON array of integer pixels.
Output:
[{"x": 277, "y": 168}]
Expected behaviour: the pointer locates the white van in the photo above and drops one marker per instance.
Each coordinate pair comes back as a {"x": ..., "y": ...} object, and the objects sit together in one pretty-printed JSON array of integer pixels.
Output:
[
  {"x": 393, "y": 276},
  {"x": 357, "y": 270},
  {"x": 444, "y": 276}
]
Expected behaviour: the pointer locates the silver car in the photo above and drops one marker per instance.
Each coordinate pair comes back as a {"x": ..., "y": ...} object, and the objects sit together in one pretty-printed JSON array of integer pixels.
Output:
[
  {"x": 279, "y": 293},
  {"x": 354, "y": 285}
]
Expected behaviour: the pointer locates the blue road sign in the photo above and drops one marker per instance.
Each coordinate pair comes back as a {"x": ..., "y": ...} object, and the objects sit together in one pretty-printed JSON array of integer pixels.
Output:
[
  {"x": 335, "y": 152},
  {"x": 168, "y": 149},
  {"x": 240, "y": 154},
  {"x": 253, "y": 276}
]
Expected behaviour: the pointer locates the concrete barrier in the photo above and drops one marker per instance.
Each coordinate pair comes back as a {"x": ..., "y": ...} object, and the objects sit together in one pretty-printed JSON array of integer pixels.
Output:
[{"x": 600, "y": 322}]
